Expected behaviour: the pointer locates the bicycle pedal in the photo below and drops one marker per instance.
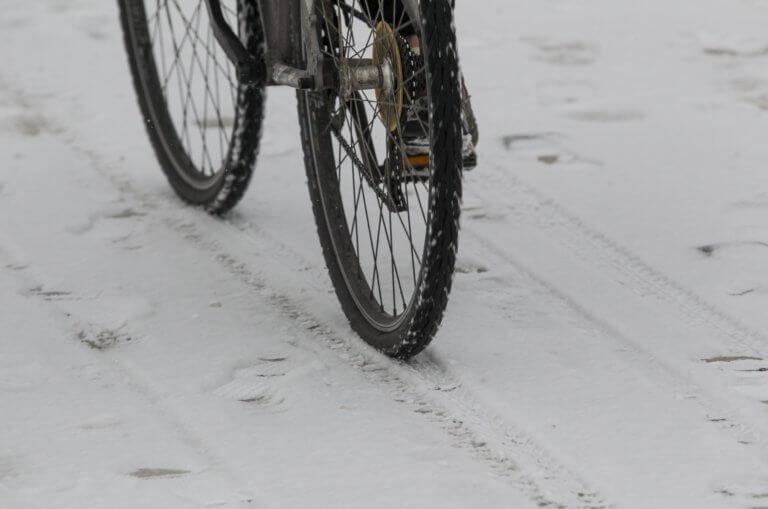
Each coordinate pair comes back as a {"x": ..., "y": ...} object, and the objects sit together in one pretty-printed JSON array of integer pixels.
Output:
[
  {"x": 421, "y": 162},
  {"x": 418, "y": 161}
]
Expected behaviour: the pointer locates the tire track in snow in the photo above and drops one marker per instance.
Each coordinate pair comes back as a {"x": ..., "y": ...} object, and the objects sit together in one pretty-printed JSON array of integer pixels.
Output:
[
  {"x": 594, "y": 249},
  {"x": 137, "y": 384},
  {"x": 718, "y": 410},
  {"x": 479, "y": 425},
  {"x": 509, "y": 452},
  {"x": 425, "y": 388},
  {"x": 662, "y": 373},
  {"x": 598, "y": 249}
]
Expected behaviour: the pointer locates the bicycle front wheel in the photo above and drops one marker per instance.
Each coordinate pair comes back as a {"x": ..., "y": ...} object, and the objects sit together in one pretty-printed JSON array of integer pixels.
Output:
[
  {"x": 203, "y": 122},
  {"x": 388, "y": 216}
]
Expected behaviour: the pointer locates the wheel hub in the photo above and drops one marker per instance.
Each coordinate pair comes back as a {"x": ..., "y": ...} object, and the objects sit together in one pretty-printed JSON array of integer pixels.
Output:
[{"x": 386, "y": 54}]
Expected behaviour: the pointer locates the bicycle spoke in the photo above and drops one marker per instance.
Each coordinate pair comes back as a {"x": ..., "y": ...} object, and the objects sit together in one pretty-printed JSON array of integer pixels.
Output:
[
  {"x": 197, "y": 80},
  {"x": 387, "y": 239}
]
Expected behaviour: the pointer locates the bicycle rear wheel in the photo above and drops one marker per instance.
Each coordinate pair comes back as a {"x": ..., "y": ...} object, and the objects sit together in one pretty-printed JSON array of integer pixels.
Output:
[
  {"x": 388, "y": 221},
  {"x": 203, "y": 122}
]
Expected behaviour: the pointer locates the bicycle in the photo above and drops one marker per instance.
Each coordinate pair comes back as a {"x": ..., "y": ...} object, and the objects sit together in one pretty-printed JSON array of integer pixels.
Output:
[{"x": 387, "y": 218}]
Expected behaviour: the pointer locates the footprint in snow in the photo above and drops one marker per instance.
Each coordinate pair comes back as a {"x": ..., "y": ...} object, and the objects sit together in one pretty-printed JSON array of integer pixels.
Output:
[
  {"x": 25, "y": 124},
  {"x": 94, "y": 27},
  {"x": 127, "y": 242},
  {"x": 748, "y": 374},
  {"x": 96, "y": 218},
  {"x": 751, "y": 493},
  {"x": 731, "y": 358},
  {"x": 47, "y": 294},
  {"x": 758, "y": 201},
  {"x": 485, "y": 215},
  {"x": 712, "y": 249},
  {"x": 753, "y": 91},
  {"x": 761, "y": 101},
  {"x": 512, "y": 141},
  {"x": 262, "y": 383},
  {"x": 735, "y": 52},
  {"x": 567, "y": 53},
  {"x": 748, "y": 84},
  {"x": 733, "y": 45},
  {"x": 103, "y": 339},
  {"x": 155, "y": 473},
  {"x": 125, "y": 214},
  {"x": 607, "y": 116},
  {"x": 545, "y": 148},
  {"x": 742, "y": 293}
]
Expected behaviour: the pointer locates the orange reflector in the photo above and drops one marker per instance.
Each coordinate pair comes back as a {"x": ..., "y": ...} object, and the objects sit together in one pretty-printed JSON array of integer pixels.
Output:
[{"x": 419, "y": 161}]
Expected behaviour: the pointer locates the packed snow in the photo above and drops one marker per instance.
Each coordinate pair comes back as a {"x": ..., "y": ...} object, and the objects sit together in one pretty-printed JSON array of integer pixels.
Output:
[{"x": 606, "y": 343}]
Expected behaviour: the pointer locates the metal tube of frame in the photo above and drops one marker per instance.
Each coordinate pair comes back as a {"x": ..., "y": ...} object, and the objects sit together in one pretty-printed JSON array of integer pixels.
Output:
[
  {"x": 280, "y": 20},
  {"x": 288, "y": 26},
  {"x": 412, "y": 8},
  {"x": 246, "y": 65}
]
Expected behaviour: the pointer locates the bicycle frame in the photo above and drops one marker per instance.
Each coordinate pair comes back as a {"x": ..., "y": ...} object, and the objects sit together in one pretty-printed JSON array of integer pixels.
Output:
[{"x": 293, "y": 57}]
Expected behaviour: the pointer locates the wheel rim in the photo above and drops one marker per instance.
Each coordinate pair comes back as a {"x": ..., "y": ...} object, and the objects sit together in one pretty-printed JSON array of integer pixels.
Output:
[
  {"x": 200, "y": 91},
  {"x": 379, "y": 250}
]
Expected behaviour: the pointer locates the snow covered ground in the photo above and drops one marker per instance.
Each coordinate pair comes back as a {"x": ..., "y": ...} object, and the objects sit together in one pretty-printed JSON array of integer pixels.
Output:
[{"x": 606, "y": 344}]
